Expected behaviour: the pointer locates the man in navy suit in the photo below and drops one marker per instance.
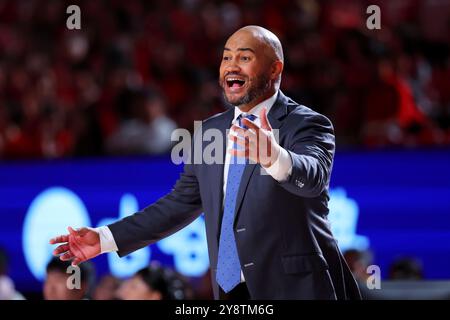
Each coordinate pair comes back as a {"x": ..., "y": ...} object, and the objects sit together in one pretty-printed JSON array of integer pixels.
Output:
[{"x": 266, "y": 217}]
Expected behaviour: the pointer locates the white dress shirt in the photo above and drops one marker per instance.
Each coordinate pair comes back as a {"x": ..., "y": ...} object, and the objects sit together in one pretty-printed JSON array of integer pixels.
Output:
[{"x": 279, "y": 170}]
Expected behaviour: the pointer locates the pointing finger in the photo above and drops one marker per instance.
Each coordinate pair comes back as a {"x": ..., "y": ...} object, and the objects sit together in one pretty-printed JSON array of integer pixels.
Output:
[
  {"x": 60, "y": 239},
  {"x": 66, "y": 256},
  {"x": 60, "y": 249}
]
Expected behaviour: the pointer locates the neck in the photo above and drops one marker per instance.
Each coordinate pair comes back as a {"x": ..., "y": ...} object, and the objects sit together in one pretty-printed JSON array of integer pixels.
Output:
[{"x": 249, "y": 106}]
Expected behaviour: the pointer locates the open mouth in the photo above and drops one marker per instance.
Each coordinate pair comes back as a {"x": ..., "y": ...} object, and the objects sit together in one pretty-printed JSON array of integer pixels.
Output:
[{"x": 234, "y": 82}]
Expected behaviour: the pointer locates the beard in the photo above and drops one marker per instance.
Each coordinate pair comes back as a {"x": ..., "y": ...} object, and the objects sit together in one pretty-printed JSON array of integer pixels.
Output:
[{"x": 260, "y": 86}]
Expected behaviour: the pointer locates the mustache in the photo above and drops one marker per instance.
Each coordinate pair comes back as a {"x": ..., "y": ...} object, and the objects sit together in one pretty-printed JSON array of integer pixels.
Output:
[{"x": 233, "y": 74}]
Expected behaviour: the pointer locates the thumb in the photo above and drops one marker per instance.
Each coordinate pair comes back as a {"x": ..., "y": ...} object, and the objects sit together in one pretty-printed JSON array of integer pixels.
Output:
[
  {"x": 83, "y": 231},
  {"x": 78, "y": 232},
  {"x": 71, "y": 231},
  {"x": 264, "y": 121}
]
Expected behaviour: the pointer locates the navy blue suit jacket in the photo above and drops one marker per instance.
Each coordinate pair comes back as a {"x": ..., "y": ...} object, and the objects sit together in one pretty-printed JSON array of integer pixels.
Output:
[{"x": 283, "y": 236}]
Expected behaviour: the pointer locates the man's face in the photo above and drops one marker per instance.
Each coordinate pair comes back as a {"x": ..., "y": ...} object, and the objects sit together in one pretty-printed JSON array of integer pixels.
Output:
[{"x": 245, "y": 69}]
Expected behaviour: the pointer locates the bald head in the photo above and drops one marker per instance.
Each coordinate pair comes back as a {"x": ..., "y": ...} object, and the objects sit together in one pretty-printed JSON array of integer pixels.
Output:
[{"x": 266, "y": 38}]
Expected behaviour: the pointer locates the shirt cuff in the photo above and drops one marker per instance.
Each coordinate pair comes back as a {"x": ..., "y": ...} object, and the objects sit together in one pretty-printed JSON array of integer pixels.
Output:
[
  {"x": 281, "y": 169},
  {"x": 107, "y": 242}
]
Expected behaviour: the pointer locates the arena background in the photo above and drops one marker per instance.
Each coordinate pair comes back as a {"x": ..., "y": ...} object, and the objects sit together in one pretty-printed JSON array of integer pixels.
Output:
[{"x": 86, "y": 117}]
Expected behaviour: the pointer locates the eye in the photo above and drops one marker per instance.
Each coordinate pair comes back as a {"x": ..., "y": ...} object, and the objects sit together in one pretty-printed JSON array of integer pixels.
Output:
[
  {"x": 226, "y": 58},
  {"x": 245, "y": 58}
]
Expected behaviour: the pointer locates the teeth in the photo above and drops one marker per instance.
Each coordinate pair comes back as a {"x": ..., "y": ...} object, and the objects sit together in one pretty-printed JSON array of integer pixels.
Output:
[{"x": 234, "y": 79}]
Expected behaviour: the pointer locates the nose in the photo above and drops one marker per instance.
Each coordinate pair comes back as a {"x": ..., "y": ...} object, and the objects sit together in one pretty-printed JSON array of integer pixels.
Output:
[{"x": 232, "y": 67}]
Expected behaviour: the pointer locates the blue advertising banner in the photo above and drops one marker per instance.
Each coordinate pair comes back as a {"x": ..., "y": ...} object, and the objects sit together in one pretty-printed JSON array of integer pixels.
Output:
[{"x": 396, "y": 203}]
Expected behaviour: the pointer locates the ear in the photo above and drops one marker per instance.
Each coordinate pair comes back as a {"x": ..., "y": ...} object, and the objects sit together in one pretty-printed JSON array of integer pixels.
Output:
[{"x": 277, "y": 69}]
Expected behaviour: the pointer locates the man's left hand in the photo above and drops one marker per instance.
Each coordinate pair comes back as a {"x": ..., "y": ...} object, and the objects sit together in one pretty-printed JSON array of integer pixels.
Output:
[{"x": 258, "y": 143}]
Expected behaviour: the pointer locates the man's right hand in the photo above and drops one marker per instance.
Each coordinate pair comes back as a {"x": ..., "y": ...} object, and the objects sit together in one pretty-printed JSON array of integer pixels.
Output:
[{"x": 79, "y": 245}]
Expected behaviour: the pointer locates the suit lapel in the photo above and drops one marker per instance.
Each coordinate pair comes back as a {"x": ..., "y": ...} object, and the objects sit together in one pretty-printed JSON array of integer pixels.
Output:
[
  {"x": 276, "y": 113},
  {"x": 217, "y": 170}
]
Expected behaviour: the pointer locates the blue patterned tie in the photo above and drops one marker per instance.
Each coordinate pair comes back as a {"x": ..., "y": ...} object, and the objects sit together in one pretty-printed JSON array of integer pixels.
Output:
[{"x": 228, "y": 266}]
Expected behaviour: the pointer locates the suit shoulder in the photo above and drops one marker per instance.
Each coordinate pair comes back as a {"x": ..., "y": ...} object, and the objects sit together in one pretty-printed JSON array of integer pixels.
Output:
[{"x": 302, "y": 114}]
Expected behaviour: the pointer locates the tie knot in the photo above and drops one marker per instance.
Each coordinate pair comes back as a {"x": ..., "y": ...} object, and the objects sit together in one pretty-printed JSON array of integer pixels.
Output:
[{"x": 251, "y": 117}]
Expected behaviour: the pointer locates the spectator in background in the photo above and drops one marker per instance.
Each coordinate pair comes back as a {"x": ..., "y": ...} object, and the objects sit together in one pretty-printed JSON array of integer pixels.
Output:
[
  {"x": 392, "y": 116},
  {"x": 55, "y": 285},
  {"x": 7, "y": 288},
  {"x": 153, "y": 283},
  {"x": 148, "y": 129},
  {"x": 106, "y": 288},
  {"x": 406, "y": 269},
  {"x": 358, "y": 261}
]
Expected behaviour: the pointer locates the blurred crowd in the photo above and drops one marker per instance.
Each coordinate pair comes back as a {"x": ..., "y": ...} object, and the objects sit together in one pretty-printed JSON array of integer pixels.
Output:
[
  {"x": 150, "y": 283},
  {"x": 404, "y": 280},
  {"x": 154, "y": 282},
  {"x": 157, "y": 282},
  {"x": 138, "y": 69}
]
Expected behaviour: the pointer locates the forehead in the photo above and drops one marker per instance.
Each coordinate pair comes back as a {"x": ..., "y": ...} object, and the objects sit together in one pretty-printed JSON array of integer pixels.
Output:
[{"x": 244, "y": 40}]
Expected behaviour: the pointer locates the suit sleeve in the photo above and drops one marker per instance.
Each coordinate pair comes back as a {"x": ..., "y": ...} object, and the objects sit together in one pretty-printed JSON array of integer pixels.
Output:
[
  {"x": 166, "y": 216},
  {"x": 311, "y": 146}
]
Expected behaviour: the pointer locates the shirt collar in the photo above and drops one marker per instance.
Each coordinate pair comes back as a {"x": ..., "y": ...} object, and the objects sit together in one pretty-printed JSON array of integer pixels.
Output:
[{"x": 268, "y": 103}]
